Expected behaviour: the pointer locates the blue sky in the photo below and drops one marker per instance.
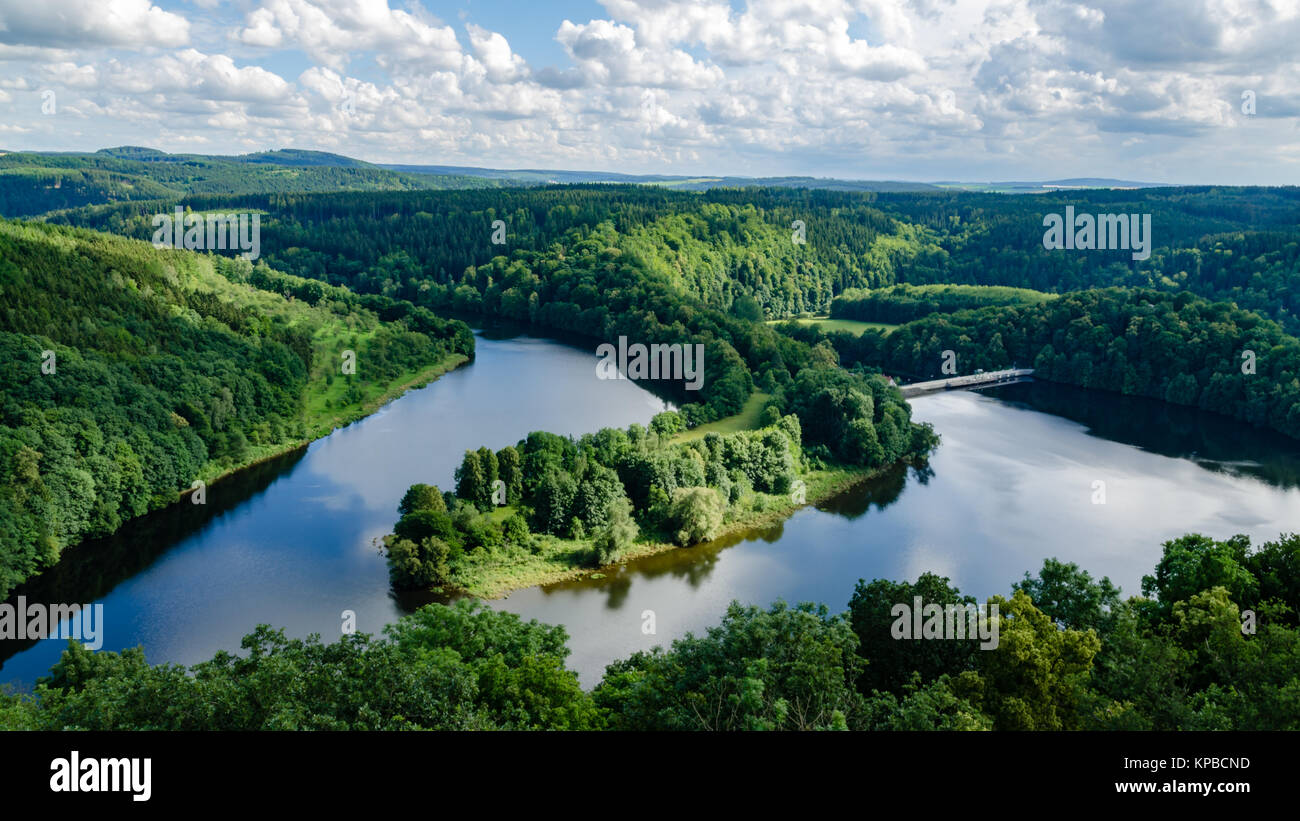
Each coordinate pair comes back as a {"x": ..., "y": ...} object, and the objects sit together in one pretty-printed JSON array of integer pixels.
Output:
[{"x": 874, "y": 89}]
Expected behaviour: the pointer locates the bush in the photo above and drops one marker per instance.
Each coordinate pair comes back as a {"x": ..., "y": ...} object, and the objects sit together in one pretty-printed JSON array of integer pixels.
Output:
[
  {"x": 516, "y": 531},
  {"x": 617, "y": 535},
  {"x": 696, "y": 514}
]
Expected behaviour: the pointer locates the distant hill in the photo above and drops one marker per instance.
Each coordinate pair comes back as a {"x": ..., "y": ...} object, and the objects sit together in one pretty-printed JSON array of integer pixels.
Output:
[
  {"x": 1049, "y": 185},
  {"x": 298, "y": 157},
  {"x": 33, "y": 183},
  {"x": 537, "y": 176}
]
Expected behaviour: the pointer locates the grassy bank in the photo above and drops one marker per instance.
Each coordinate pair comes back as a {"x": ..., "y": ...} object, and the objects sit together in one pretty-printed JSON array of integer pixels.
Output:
[
  {"x": 827, "y": 324},
  {"x": 747, "y": 419},
  {"x": 552, "y": 559},
  {"x": 322, "y": 419}
]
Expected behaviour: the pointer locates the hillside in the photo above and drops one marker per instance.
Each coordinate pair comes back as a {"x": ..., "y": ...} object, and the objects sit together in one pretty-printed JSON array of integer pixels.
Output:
[
  {"x": 729, "y": 246},
  {"x": 134, "y": 372}
]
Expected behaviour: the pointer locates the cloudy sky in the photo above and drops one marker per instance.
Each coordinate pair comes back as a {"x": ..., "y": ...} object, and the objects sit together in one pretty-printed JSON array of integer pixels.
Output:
[{"x": 870, "y": 89}]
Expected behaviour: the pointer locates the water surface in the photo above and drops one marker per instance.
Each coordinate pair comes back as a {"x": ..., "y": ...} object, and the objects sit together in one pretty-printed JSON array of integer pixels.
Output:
[
  {"x": 1010, "y": 485},
  {"x": 291, "y": 543}
]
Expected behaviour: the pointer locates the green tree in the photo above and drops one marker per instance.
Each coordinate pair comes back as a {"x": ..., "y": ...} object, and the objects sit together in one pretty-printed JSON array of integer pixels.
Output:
[
  {"x": 1070, "y": 596},
  {"x": 891, "y": 662},
  {"x": 553, "y": 503},
  {"x": 472, "y": 483},
  {"x": 785, "y": 668},
  {"x": 617, "y": 534},
  {"x": 696, "y": 514},
  {"x": 1193, "y": 563},
  {"x": 1034, "y": 677},
  {"x": 422, "y": 497},
  {"x": 509, "y": 470}
]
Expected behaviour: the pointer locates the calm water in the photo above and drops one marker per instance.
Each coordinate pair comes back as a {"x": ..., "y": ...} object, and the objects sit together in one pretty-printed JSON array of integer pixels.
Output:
[
  {"x": 291, "y": 543},
  {"x": 1010, "y": 485}
]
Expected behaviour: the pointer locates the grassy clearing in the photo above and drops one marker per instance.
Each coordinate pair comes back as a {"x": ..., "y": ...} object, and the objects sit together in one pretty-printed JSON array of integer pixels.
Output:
[
  {"x": 747, "y": 419},
  {"x": 853, "y": 326},
  {"x": 492, "y": 574}
]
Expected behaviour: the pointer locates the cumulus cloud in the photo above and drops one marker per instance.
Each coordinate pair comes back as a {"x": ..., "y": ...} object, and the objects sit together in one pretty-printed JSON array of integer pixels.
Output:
[
  {"x": 332, "y": 30},
  {"x": 499, "y": 63},
  {"x": 902, "y": 88},
  {"x": 88, "y": 23}
]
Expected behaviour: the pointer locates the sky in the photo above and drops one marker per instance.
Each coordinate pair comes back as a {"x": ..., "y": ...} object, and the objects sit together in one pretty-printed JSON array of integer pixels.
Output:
[{"x": 1180, "y": 91}]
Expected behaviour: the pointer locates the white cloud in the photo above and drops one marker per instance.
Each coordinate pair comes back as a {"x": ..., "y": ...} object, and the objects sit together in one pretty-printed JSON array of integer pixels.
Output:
[
  {"x": 332, "y": 30},
  {"x": 895, "y": 88},
  {"x": 493, "y": 52},
  {"x": 90, "y": 23}
]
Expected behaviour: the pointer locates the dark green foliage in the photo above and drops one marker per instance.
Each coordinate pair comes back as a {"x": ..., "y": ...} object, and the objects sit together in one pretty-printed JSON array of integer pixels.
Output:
[
  {"x": 464, "y": 667},
  {"x": 422, "y": 497},
  {"x": 414, "y": 565},
  {"x": 786, "y": 668},
  {"x": 904, "y": 303},
  {"x": 1185, "y": 664},
  {"x": 516, "y": 532},
  {"x": 617, "y": 534},
  {"x": 606, "y": 487},
  {"x": 1070, "y": 597},
  {"x": 159, "y": 371},
  {"x": 891, "y": 661},
  {"x": 38, "y": 183},
  {"x": 510, "y": 471},
  {"x": 1276, "y": 566},
  {"x": 696, "y": 514},
  {"x": 472, "y": 482},
  {"x": 1194, "y": 563},
  {"x": 859, "y": 418},
  {"x": 598, "y": 489},
  {"x": 1176, "y": 348},
  {"x": 552, "y": 503}
]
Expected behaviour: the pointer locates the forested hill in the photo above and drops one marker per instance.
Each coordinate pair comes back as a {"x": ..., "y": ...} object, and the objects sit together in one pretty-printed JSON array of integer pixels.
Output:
[
  {"x": 132, "y": 372},
  {"x": 1135, "y": 341},
  {"x": 32, "y": 183},
  {"x": 727, "y": 246}
]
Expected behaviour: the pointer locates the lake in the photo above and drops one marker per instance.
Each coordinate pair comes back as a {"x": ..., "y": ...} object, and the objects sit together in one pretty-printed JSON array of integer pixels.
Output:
[{"x": 291, "y": 542}]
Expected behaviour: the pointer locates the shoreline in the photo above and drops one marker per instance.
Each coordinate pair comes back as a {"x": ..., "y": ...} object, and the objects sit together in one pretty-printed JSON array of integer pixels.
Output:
[{"x": 421, "y": 379}]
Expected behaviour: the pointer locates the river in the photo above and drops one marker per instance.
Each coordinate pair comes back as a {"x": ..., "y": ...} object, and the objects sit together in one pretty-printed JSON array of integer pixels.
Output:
[{"x": 291, "y": 543}]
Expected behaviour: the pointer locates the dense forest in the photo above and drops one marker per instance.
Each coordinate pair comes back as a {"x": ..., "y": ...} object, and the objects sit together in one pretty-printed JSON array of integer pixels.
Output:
[
  {"x": 1139, "y": 342},
  {"x": 662, "y": 266},
  {"x": 789, "y": 250},
  {"x": 1213, "y": 643},
  {"x": 134, "y": 372},
  {"x": 170, "y": 366}
]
